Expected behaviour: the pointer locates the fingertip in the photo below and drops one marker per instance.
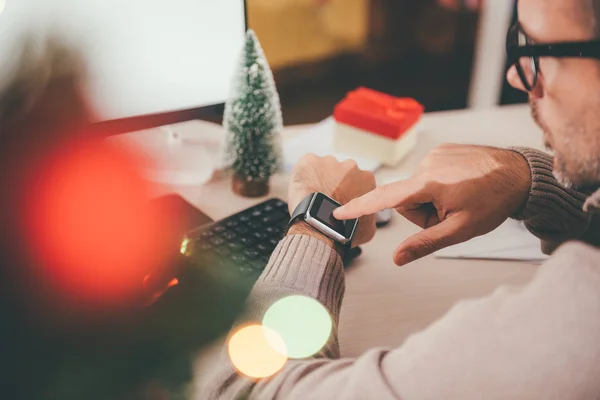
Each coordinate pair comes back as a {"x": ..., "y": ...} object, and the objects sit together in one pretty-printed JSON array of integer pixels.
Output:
[
  {"x": 399, "y": 262},
  {"x": 402, "y": 258},
  {"x": 340, "y": 212}
]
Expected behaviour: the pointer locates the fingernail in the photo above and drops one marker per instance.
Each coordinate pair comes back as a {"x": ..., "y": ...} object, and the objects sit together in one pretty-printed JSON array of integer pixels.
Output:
[{"x": 405, "y": 258}]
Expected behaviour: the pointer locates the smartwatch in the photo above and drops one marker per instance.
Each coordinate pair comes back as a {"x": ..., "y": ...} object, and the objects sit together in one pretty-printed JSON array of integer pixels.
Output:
[{"x": 317, "y": 211}]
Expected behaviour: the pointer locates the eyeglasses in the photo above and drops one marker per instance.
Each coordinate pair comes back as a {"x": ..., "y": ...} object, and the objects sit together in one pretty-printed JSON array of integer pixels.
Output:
[{"x": 525, "y": 55}]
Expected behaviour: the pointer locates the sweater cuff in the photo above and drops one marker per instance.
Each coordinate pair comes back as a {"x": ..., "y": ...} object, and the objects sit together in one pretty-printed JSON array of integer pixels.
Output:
[
  {"x": 552, "y": 212},
  {"x": 310, "y": 267}
]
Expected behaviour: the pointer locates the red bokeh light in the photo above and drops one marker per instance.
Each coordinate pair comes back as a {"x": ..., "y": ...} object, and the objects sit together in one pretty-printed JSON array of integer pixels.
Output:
[{"x": 93, "y": 227}]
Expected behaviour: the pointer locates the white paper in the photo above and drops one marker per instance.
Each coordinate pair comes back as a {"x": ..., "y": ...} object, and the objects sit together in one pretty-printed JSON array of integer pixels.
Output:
[
  {"x": 510, "y": 241},
  {"x": 319, "y": 141}
]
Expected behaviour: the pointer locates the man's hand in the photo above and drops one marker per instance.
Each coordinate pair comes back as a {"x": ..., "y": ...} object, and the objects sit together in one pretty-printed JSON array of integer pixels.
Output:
[
  {"x": 458, "y": 192},
  {"x": 342, "y": 181}
]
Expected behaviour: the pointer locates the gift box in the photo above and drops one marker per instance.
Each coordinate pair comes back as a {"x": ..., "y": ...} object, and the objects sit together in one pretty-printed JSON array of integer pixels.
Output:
[{"x": 374, "y": 125}]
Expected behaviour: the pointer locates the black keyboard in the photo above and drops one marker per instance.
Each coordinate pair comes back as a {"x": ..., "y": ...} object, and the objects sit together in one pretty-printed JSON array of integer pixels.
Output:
[{"x": 240, "y": 246}]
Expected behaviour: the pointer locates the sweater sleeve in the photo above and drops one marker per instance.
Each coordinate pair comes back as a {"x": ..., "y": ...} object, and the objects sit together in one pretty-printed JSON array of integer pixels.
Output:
[
  {"x": 300, "y": 265},
  {"x": 554, "y": 213},
  {"x": 539, "y": 341}
]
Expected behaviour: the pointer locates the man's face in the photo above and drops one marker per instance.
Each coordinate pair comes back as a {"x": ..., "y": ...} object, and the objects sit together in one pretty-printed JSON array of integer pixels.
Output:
[{"x": 566, "y": 100}]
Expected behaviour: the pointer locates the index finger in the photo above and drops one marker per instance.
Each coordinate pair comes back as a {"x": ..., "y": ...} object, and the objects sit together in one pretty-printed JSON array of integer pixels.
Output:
[{"x": 383, "y": 197}]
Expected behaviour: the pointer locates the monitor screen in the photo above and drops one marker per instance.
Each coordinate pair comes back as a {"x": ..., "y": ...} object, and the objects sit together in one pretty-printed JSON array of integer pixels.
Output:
[{"x": 142, "y": 56}]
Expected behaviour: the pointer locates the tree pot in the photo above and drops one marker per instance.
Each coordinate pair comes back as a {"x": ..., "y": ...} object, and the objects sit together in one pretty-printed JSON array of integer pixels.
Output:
[{"x": 245, "y": 187}]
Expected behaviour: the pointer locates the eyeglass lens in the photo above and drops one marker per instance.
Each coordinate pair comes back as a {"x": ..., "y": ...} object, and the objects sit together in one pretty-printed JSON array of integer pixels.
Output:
[{"x": 528, "y": 65}]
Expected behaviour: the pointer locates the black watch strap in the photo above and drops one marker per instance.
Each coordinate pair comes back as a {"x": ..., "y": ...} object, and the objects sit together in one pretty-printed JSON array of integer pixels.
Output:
[{"x": 302, "y": 208}]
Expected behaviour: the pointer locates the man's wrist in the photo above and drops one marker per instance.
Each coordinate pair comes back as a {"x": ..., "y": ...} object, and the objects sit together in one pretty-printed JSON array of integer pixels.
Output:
[
  {"x": 522, "y": 179},
  {"x": 302, "y": 228}
]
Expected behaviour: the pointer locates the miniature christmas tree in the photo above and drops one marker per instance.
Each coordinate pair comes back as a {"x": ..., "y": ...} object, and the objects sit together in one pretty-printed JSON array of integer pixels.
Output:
[{"x": 253, "y": 123}]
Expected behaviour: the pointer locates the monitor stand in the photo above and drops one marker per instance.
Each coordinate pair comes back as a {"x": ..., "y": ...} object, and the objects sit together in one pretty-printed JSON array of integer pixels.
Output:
[{"x": 182, "y": 154}]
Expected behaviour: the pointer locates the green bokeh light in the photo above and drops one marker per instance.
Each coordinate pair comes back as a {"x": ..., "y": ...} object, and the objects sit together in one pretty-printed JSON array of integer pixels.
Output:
[{"x": 303, "y": 323}]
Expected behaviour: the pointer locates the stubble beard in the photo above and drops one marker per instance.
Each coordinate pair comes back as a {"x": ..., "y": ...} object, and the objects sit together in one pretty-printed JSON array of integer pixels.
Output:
[{"x": 586, "y": 173}]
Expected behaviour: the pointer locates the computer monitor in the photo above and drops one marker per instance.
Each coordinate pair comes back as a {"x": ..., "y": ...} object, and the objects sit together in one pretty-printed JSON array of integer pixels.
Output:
[{"x": 149, "y": 62}]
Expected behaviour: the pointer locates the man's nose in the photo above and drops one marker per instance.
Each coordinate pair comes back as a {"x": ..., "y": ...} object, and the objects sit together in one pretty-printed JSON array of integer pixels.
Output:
[{"x": 513, "y": 78}]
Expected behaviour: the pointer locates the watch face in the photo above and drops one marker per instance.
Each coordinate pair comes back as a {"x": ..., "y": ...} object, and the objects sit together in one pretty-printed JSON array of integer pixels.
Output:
[{"x": 322, "y": 211}]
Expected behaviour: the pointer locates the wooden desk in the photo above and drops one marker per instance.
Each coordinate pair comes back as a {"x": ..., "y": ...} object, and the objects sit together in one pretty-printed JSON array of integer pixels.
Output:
[{"x": 385, "y": 304}]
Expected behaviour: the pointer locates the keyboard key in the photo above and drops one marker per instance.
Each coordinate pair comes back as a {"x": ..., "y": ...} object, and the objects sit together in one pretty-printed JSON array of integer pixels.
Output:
[
  {"x": 223, "y": 251},
  {"x": 242, "y": 230},
  {"x": 248, "y": 241},
  {"x": 204, "y": 246},
  {"x": 244, "y": 218},
  {"x": 255, "y": 225},
  {"x": 258, "y": 265},
  {"x": 235, "y": 246},
  {"x": 229, "y": 235},
  {"x": 277, "y": 237},
  {"x": 206, "y": 234},
  {"x": 232, "y": 223},
  {"x": 257, "y": 213},
  {"x": 268, "y": 208},
  {"x": 246, "y": 271},
  {"x": 217, "y": 240},
  {"x": 239, "y": 259},
  {"x": 225, "y": 263},
  {"x": 274, "y": 242},
  {"x": 274, "y": 218},
  {"x": 260, "y": 235},
  {"x": 265, "y": 248},
  {"x": 280, "y": 204},
  {"x": 218, "y": 229},
  {"x": 250, "y": 253},
  {"x": 278, "y": 232}
]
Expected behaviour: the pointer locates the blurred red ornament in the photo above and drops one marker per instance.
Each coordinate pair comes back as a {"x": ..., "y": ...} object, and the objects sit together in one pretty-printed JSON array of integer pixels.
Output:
[{"x": 93, "y": 226}]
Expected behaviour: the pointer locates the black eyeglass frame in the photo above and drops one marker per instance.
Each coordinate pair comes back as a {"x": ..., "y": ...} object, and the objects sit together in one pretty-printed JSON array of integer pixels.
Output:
[{"x": 514, "y": 52}]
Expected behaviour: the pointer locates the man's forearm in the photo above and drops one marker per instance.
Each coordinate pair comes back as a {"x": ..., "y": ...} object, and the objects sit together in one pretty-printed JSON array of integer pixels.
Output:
[
  {"x": 553, "y": 213},
  {"x": 303, "y": 229}
]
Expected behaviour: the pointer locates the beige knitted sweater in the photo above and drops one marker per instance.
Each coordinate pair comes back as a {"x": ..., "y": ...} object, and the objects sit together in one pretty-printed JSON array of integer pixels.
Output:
[{"x": 539, "y": 341}]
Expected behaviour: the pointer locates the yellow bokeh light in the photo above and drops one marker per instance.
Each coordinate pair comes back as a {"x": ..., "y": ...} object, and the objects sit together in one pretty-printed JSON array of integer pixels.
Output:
[
  {"x": 257, "y": 352},
  {"x": 186, "y": 244}
]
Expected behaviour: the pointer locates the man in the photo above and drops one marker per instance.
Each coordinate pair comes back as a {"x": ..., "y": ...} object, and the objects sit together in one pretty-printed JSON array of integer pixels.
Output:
[{"x": 540, "y": 341}]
